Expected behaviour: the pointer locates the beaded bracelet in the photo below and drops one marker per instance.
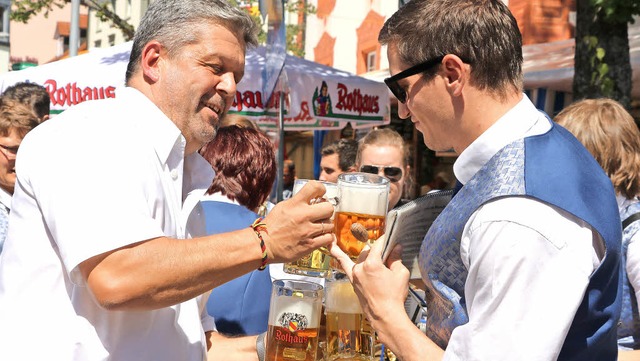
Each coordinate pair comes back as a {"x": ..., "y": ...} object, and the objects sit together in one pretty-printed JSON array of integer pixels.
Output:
[{"x": 259, "y": 226}]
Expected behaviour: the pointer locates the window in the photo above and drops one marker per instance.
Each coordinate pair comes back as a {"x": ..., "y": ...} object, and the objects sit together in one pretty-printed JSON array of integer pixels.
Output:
[
  {"x": 371, "y": 61},
  {"x": 97, "y": 43},
  {"x": 112, "y": 40}
]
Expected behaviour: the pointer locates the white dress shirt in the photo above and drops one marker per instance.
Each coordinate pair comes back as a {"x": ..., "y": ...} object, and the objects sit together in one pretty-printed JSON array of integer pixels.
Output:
[
  {"x": 529, "y": 263},
  {"x": 100, "y": 176}
]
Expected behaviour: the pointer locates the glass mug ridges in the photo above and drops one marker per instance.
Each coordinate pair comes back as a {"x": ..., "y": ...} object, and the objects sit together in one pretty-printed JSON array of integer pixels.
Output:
[
  {"x": 316, "y": 263},
  {"x": 364, "y": 200}
]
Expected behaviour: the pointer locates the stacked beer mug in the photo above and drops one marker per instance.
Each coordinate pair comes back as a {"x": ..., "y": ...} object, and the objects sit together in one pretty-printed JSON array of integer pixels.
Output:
[{"x": 360, "y": 201}]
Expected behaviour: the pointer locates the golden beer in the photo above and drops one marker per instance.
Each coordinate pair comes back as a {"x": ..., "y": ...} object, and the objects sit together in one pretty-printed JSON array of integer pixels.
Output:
[
  {"x": 349, "y": 335},
  {"x": 362, "y": 199},
  {"x": 374, "y": 224},
  {"x": 287, "y": 345},
  {"x": 315, "y": 264},
  {"x": 294, "y": 320}
]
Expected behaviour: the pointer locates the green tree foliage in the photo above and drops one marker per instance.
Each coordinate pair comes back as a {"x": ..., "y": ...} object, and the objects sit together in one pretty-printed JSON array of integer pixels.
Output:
[
  {"x": 602, "y": 60},
  {"x": 293, "y": 30},
  {"x": 23, "y": 10}
]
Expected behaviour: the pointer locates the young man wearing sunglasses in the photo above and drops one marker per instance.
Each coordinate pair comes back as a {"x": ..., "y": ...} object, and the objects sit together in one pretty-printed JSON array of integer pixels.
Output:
[
  {"x": 524, "y": 262},
  {"x": 383, "y": 152}
]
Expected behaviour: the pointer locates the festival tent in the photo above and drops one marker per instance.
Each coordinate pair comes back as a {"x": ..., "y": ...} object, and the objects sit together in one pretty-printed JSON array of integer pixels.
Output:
[
  {"x": 548, "y": 71},
  {"x": 317, "y": 97}
]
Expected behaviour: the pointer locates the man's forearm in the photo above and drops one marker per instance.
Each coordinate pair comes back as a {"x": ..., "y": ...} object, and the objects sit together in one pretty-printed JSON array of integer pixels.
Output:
[{"x": 231, "y": 348}]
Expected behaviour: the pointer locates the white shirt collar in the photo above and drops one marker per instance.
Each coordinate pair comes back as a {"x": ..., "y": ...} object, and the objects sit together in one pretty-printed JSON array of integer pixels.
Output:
[
  {"x": 166, "y": 135},
  {"x": 520, "y": 121},
  {"x": 169, "y": 143}
]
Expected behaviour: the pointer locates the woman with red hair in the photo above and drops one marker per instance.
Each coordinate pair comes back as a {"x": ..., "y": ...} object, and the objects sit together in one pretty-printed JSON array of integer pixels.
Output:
[{"x": 245, "y": 165}]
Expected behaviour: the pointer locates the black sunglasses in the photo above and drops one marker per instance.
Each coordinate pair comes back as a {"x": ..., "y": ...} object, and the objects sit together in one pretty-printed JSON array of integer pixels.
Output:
[
  {"x": 392, "y": 82},
  {"x": 393, "y": 173}
]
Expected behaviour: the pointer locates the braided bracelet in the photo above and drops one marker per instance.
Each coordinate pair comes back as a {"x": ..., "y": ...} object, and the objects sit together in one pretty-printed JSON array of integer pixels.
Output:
[{"x": 259, "y": 226}]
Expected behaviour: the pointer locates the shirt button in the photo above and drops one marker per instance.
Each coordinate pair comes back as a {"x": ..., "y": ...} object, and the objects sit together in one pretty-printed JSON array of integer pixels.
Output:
[{"x": 174, "y": 174}]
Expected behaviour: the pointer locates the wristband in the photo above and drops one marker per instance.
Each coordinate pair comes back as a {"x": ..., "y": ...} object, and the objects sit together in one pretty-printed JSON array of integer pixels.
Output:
[
  {"x": 260, "y": 349},
  {"x": 259, "y": 226}
]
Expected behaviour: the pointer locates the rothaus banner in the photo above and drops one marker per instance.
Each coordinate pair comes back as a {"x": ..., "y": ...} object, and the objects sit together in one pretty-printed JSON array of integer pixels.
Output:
[{"x": 317, "y": 96}]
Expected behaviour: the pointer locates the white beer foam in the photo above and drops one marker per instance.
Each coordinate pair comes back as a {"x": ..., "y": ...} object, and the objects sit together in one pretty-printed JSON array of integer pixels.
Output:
[
  {"x": 301, "y": 305},
  {"x": 341, "y": 298},
  {"x": 363, "y": 200}
]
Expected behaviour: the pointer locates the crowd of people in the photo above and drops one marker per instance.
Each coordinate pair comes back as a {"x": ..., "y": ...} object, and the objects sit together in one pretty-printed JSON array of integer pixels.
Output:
[{"x": 161, "y": 241}]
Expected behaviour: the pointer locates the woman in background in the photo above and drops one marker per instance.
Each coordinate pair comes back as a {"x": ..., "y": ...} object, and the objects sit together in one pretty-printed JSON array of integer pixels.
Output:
[
  {"x": 610, "y": 134},
  {"x": 245, "y": 165},
  {"x": 384, "y": 152}
]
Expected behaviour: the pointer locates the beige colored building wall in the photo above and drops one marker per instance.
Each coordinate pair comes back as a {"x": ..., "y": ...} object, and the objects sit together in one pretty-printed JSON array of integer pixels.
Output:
[
  {"x": 4, "y": 58},
  {"x": 103, "y": 35},
  {"x": 36, "y": 38},
  {"x": 342, "y": 24}
]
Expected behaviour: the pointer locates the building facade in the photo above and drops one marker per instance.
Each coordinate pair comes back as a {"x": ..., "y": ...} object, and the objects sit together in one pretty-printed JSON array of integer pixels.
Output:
[
  {"x": 42, "y": 39},
  {"x": 103, "y": 34},
  {"x": 5, "y": 7}
]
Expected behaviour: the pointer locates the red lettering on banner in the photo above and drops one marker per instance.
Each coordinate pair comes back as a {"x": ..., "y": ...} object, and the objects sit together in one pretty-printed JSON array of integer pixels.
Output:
[
  {"x": 305, "y": 114},
  {"x": 253, "y": 100},
  {"x": 290, "y": 338},
  {"x": 70, "y": 94},
  {"x": 356, "y": 102}
]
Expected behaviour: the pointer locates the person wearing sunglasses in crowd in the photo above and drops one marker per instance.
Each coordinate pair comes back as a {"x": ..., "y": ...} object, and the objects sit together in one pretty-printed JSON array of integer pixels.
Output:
[
  {"x": 384, "y": 152},
  {"x": 524, "y": 261}
]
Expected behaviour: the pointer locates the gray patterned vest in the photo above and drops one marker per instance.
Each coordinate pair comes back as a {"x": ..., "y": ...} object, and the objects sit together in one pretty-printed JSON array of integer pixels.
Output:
[
  {"x": 629, "y": 327},
  {"x": 530, "y": 167}
]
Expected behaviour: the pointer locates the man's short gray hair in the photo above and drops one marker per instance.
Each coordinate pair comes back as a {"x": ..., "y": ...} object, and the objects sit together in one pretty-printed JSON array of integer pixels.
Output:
[{"x": 173, "y": 23}]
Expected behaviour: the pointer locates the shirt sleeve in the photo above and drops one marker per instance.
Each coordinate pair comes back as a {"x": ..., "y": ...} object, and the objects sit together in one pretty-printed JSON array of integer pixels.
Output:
[
  {"x": 208, "y": 322},
  {"x": 103, "y": 202},
  {"x": 527, "y": 275}
]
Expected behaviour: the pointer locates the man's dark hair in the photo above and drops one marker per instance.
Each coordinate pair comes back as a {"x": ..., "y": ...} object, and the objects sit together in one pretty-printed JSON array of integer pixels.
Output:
[
  {"x": 483, "y": 32},
  {"x": 346, "y": 149},
  {"x": 34, "y": 95}
]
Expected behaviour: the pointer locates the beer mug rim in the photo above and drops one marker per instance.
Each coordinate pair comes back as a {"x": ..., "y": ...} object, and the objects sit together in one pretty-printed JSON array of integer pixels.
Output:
[
  {"x": 289, "y": 286},
  {"x": 304, "y": 181},
  {"x": 363, "y": 180}
]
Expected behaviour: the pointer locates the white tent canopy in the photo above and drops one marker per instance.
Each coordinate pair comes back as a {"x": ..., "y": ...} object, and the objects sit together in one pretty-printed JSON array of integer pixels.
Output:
[{"x": 349, "y": 98}]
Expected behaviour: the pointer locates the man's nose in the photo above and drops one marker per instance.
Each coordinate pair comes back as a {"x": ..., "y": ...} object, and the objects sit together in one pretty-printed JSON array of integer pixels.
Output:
[
  {"x": 403, "y": 111},
  {"x": 227, "y": 84}
]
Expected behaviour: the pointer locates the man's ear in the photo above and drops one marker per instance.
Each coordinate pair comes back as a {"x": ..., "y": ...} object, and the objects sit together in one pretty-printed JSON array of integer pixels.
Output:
[
  {"x": 150, "y": 60},
  {"x": 352, "y": 169},
  {"x": 456, "y": 73}
]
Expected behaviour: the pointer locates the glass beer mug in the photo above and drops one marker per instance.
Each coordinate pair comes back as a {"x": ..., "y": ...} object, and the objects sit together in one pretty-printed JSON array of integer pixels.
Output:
[
  {"x": 294, "y": 321},
  {"x": 363, "y": 199},
  {"x": 349, "y": 335},
  {"x": 316, "y": 263}
]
